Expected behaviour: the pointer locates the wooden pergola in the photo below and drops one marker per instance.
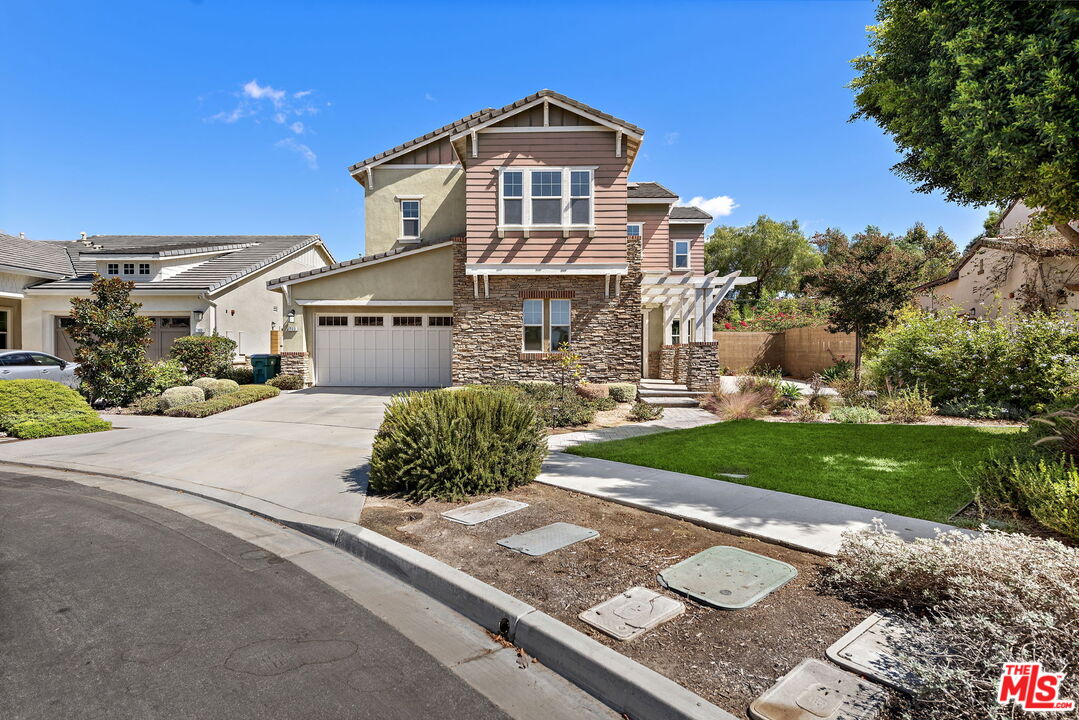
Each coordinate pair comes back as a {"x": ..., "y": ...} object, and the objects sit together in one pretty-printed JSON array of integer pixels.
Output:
[{"x": 682, "y": 296}]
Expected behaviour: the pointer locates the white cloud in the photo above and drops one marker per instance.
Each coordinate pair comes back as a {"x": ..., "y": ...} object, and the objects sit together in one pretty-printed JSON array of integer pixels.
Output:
[
  {"x": 718, "y": 206},
  {"x": 429, "y": 97},
  {"x": 670, "y": 138},
  {"x": 296, "y": 127},
  {"x": 300, "y": 149},
  {"x": 302, "y": 94},
  {"x": 255, "y": 91}
]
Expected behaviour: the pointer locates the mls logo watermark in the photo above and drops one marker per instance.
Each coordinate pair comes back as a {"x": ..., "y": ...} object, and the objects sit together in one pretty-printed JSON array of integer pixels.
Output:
[{"x": 1031, "y": 689}]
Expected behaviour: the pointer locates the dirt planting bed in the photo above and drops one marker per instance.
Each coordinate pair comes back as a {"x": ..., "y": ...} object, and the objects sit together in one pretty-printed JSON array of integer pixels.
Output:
[{"x": 727, "y": 656}]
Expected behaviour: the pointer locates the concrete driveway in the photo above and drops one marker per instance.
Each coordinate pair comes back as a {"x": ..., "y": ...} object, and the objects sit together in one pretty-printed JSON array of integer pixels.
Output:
[{"x": 307, "y": 451}]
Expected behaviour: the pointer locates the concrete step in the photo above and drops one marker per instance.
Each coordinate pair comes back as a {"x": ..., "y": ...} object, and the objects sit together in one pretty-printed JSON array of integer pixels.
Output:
[
  {"x": 671, "y": 400},
  {"x": 680, "y": 391}
]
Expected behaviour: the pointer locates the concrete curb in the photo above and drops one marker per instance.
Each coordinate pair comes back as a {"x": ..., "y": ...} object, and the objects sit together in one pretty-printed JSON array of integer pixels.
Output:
[{"x": 624, "y": 684}]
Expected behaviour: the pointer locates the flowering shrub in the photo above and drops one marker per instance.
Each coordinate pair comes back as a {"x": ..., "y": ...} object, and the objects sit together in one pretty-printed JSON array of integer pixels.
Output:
[
  {"x": 779, "y": 315},
  {"x": 1033, "y": 361},
  {"x": 989, "y": 599}
]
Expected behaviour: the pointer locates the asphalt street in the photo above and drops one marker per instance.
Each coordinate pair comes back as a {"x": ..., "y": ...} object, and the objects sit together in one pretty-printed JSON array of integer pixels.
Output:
[{"x": 115, "y": 608}]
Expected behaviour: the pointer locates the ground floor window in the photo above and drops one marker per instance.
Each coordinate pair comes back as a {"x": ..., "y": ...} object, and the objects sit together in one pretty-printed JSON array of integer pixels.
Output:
[
  {"x": 676, "y": 332},
  {"x": 3, "y": 330},
  {"x": 546, "y": 325}
]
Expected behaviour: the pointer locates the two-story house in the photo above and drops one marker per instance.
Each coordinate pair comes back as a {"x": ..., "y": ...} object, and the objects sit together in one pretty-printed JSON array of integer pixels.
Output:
[
  {"x": 499, "y": 238},
  {"x": 188, "y": 285}
]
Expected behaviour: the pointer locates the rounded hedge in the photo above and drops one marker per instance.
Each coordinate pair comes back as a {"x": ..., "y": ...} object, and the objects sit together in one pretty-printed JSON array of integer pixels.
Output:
[
  {"x": 179, "y": 396},
  {"x": 450, "y": 445},
  {"x": 286, "y": 382}
]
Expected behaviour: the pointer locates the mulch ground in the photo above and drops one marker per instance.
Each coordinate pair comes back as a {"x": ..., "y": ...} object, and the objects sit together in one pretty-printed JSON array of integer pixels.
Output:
[{"x": 729, "y": 657}]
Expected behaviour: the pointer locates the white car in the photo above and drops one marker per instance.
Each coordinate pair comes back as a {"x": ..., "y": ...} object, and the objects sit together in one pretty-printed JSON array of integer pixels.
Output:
[{"x": 30, "y": 364}]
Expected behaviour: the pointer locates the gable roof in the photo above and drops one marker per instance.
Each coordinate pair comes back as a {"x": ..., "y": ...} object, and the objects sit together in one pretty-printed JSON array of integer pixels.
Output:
[
  {"x": 1063, "y": 250},
  {"x": 241, "y": 255},
  {"x": 345, "y": 264},
  {"x": 38, "y": 257},
  {"x": 648, "y": 190},
  {"x": 487, "y": 115},
  {"x": 681, "y": 212}
]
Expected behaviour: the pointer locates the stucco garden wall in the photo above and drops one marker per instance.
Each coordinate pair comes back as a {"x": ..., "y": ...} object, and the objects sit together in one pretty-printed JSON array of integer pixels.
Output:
[{"x": 800, "y": 351}]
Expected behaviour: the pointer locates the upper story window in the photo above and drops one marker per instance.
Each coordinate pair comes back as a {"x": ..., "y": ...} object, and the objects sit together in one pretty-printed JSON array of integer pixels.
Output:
[
  {"x": 634, "y": 230},
  {"x": 112, "y": 269},
  {"x": 680, "y": 259},
  {"x": 410, "y": 219},
  {"x": 144, "y": 268},
  {"x": 546, "y": 197},
  {"x": 129, "y": 268}
]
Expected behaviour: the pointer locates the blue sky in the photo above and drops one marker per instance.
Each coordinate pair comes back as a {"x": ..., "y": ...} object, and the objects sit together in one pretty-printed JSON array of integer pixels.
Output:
[{"x": 133, "y": 118}]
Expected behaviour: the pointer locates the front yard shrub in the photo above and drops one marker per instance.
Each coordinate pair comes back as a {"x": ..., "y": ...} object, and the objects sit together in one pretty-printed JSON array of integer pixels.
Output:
[
  {"x": 623, "y": 392},
  {"x": 286, "y": 382},
  {"x": 788, "y": 395},
  {"x": 752, "y": 401},
  {"x": 807, "y": 413},
  {"x": 592, "y": 391},
  {"x": 842, "y": 370},
  {"x": 987, "y": 599},
  {"x": 645, "y": 411},
  {"x": 605, "y": 403},
  {"x": 571, "y": 411},
  {"x": 1039, "y": 485},
  {"x": 42, "y": 408},
  {"x": 978, "y": 408},
  {"x": 145, "y": 405},
  {"x": 907, "y": 404},
  {"x": 244, "y": 395},
  {"x": 221, "y": 387},
  {"x": 59, "y": 425},
  {"x": 242, "y": 374},
  {"x": 1025, "y": 361},
  {"x": 451, "y": 445},
  {"x": 855, "y": 415},
  {"x": 178, "y": 397},
  {"x": 165, "y": 374},
  {"x": 204, "y": 355}
]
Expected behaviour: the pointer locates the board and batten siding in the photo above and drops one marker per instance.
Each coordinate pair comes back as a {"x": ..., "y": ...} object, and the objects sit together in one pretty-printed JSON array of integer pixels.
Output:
[
  {"x": 540, "y": 149},
  {"x": 439, "y": 152},
  {"x": 695, "y": 233},
  {"x": 656, "y": 241}
]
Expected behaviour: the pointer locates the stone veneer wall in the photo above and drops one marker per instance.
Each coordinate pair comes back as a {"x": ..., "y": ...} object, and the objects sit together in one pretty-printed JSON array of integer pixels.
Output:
[
  {"x": 297, "y": 363},
  {"x": 667, "y": 354},
  {"x": 701, "y": 364},
  {"x": 655, "y": 364},
  {"x": 606, "y": 331},
  {"x": 678, "y": 374}
]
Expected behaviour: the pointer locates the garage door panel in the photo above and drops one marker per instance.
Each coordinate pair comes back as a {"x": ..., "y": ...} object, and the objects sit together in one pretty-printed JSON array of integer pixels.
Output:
[{"x": 401, "y": 355}]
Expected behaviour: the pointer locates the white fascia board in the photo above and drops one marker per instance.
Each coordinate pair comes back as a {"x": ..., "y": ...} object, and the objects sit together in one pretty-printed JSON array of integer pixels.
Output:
[
  {"x": 690, "y": 221},
  {"x": 16, "y": 270},
  {"x": 355, "y": 266},
  {"x": 79, "y": 292},
  {"x": 546, "y": 269},
  {"x": 127, "y": 257},
  {"x": 547, "y": 129},
  {"x": 364, "y": 303},
  {"x": 12, "y": 295}
]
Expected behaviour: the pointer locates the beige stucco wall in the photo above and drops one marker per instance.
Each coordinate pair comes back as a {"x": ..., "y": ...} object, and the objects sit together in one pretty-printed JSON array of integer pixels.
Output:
[
  {"x": 977, "y": 291},
  {"x": 422, "y": 276},
  {"x": 442, "y": 209}
]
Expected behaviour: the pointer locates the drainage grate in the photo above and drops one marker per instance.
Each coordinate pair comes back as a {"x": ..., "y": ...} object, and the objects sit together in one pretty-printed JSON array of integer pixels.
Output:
[
  {"x": 545, "y": 539},
  {"x": 727, "y": 577}
]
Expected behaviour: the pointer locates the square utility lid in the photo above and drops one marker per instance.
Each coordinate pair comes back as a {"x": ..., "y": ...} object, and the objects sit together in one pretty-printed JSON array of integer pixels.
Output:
[
  {"x": 727, "y": 577},
  {"x": 628, "y": 614},
  {"x": 815, "y": 690},
  {"x": 871, "y": 649},
  {"x": 483, "y": 511}
]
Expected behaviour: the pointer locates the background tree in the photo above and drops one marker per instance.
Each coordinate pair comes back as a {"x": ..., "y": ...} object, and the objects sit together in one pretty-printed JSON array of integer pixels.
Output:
[
  {"x": 982, "y": 99},
  {"x": 869, "y": 281},
  {"x": 110, "y": 343},
  {"x": 831, "y": 244},
  {"x": 937, "y": 253},
  {"x": 776, "y": 253}
]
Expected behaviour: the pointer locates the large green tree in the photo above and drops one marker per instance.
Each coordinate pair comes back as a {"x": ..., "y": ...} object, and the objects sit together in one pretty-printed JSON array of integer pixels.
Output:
[
  {"x": 776, "y": 253},
  {"x": 931, "y": 255},
  {"x": 982, "y": 99}
]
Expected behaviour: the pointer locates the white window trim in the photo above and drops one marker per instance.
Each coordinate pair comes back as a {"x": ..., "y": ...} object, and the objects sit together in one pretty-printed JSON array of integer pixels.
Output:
[
  {"x": 638, "y": 224},
  {"x": 6, "y": 332},
  {"x": 109, "y": 269},
  {"x": 675, "y": 254},
  {"x": 545, "y": 325},
  {"x": 526, "y": 198},
  {"x": 401, "y": 200}
]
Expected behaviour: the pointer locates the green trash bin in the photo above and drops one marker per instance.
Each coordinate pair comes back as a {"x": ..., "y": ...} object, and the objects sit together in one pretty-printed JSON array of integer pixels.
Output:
[{"x": 264, "y": 367}]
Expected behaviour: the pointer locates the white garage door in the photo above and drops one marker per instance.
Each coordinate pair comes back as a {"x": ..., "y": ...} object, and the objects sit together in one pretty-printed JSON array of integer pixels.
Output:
[{"x": 383, "y": 350}]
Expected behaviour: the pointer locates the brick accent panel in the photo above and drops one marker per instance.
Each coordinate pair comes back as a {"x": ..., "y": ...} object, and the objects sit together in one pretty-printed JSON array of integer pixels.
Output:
[
  {"x": 701, "y": 365},
  {"x": 547, "y": 294},
  {"x": 487, "y": 331},
  {"x": 297, "y": 363}
]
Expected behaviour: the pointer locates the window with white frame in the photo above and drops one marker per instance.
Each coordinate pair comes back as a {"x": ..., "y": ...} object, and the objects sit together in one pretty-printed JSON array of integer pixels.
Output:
[
  {"x": 680, "y": 256},
  {"x": 129, "y": 268},
  {"x": 546, "y": 197},
  {"x": 112, "y": 269},
  {"x": 410, "y": 219},
  {"x": 546, "y": 325},
  {"x": 634, "y": 230},
  {"x": 144, "y": 268},
  {"x": 676, "y": 332}
]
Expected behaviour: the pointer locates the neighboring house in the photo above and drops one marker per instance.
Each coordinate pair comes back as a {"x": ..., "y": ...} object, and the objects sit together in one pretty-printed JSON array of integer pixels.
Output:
[
  {"x": 188, "y": 284},
  {"x": 1015, "y": 220},
  {"x": 496, "y": 238}
]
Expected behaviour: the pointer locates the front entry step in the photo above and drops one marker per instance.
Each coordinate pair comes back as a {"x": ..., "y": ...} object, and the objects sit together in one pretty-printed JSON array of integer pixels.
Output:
[
  {"x": 671, "y": 401},
  {"x": 666, "y": 393}
]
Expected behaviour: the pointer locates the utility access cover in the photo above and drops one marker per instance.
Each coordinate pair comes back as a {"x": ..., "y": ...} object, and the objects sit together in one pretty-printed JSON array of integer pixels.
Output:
[
  {"x": 545, "y": 539},
  {"x": 483, "y": 511},
  {"x": 727, "y": 577},
  {"x": 818, "y": 691},
  {"x": 627, "y": 615},
  {"x": 871, "y": 649}
]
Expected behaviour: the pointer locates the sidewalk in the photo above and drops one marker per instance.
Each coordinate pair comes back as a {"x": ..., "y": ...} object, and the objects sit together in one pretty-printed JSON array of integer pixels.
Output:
[
  {"x": 673, "y": 419},
  {"x": 793, "y": 520}
]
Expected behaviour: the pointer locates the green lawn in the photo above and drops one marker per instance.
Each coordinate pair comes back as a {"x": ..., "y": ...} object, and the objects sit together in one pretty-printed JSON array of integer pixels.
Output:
[{"x": 904, "y": 469}]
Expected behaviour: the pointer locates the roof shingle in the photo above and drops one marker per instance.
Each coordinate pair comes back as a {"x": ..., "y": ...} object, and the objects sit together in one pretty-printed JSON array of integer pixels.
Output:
[
  {"x": 689, "y": 213},
  {"x": 35, "y": 255},
  {"x": 402, "y": 250},
  {"x": 649, "y": 190}
]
